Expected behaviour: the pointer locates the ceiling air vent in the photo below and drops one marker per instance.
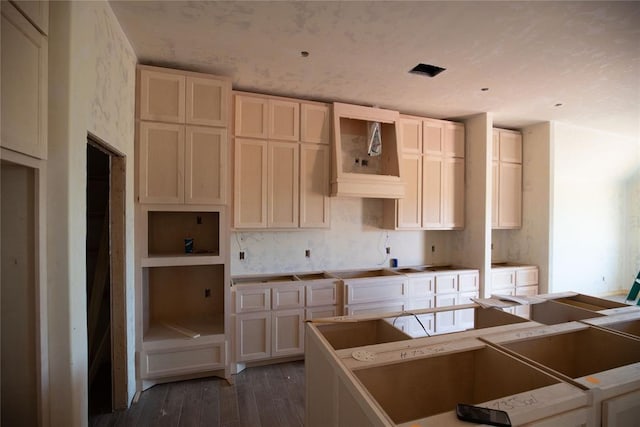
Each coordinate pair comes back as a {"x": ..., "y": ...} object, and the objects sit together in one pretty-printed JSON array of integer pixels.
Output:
[{"x": 427, "y": 70}]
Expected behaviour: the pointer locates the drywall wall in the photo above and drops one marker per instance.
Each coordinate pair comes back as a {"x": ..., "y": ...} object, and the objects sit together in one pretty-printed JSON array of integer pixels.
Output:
[
  {"x": 530, "y": 244},
  {"x": 356, "y": 239},
  {"x": 91, "y": 90},
  {"x": 471, "y": 246},
  {"x": 595, "y": 210}
]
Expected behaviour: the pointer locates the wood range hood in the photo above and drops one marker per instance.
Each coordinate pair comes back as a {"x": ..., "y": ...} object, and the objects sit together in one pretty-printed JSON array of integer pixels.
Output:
[{"x": 354, "y": 172}]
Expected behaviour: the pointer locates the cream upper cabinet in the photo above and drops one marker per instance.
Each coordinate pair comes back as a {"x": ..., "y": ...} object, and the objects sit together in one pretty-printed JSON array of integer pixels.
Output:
[
  {"x": 284, "y": 120},
  {"x": 161, "y": 96},
  {"x": 206, "y": 101},
  {"x": 294, "y": 187},
  {"x": 315, "y": 123},
  {"x": 443, "y": 175},
  {"x": 198, "y": 105},
  {"x": 24, "y": 83},
  {"x": 263, "y": 117},
  {"x": 175, "y": 96},
  {"x": 409, "y": 209},
  {"x": 250, "y": 183},
  {"x": 205, "y": 165},
  {"x": 432, "y": 169},
  {"x": 282, "y": 184},
  {"x": 161, "y": 162},
  {"x": 314, "y": 186},
  {"x": 507, "y": 179}
]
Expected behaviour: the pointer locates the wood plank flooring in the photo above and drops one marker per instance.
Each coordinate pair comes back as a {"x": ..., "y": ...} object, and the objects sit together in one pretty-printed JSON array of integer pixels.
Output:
[{"x": 266, "y": 396}]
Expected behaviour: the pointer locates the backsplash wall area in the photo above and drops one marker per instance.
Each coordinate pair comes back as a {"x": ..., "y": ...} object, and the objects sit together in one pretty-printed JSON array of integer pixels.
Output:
[{"x": 356, "y": 239}]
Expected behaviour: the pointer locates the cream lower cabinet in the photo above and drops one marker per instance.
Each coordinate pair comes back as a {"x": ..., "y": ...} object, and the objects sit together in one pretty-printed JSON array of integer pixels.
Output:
[
  {"x": 181, "y": 164},
  {"x": 169, "y": 359},
  {"x": 270, "y": 312},
  {"x": 515, "y": 280},
  {"x": 455, "y": 288}
]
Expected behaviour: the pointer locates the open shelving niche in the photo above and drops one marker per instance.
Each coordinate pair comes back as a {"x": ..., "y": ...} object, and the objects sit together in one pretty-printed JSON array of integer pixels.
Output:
[{"x": 183, "y": 295}]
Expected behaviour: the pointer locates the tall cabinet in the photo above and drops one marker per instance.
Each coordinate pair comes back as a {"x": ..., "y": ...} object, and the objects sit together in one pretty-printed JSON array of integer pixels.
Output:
[
  {"x": 281, "y": 163},
  {"x": 432, "y": 170},
  {"x": 506, "y": 203},
  {"x": 182, "y": 265}
]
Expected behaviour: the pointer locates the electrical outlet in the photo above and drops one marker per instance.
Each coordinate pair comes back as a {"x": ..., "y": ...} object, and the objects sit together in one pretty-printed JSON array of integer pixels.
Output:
[
  {"x": 207, "y": 293},
  {"x": 433, "y": 248},
  {"x": 388, "y": 248},
  {"x": 198, "y": 219},
  {"x": 241, "y": 255},
  {"x": 307, "y": 253}
]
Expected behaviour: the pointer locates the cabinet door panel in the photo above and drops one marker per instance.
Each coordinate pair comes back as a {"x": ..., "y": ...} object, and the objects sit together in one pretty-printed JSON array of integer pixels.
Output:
[
  {"x": 446, "y": 321},
  {"x": 495, "y": 193},
  {"x": 446, "y": 283},
  {"x": 284, "y": 120},
  {"x": 502, "y": 278},
  {"x": 526, "y": 276},
  {"x": 466, "y": 317},
  {"x": 433, "y": 137},
  {"x": 24, "y": 85},
  {"x": 453, "y": 193},
  {"x": 252, "y": 299},
  {"x": 287, "y": 332},
  {"x": 510, "y": 203},
  {"x": 250, "y": 184},
  {"x": 314, "y": 123},
  {"x": 468, "y": 282},
  {"x": 253, "y": 336},
  {"x": 495, "y": 155},
  {"x": 162, "y": 96},
  {"x": 282, "y": 191},
  {"x": 432, "y": 192},
  {"x": 409, "y": 207},
  {"x": 207, "y": 101},
  {"x": 421, "y": 287},
  {"x": 161, "y": 172},
  {"x": 314, "y": 186},
  {"x": 206, "y": 165},
  {"x": 411, "y": 135},
  {"x": 37, "y": 12},
  {"x": 251, "y": 116},
  {"x": 510, "y": 147},
  {"x": 453, "y": 137}
]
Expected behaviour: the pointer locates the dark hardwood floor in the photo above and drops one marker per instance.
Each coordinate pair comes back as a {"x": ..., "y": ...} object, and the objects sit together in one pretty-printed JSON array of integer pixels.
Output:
[{"x": 271, "y": 395}]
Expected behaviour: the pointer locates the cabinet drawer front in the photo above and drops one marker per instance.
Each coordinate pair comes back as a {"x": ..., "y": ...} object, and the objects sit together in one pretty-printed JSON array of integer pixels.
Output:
[
  {"x": 375, "y": 308},
  {"x": 373, "y": 292},
  {"x": 252, "y": 300},
  {"x": 446, "y": 283},
  {"x": 162, "y": 363},
  {"x": 421, "y": 287},
  {"x": 287, "y": 297},
  {"x": 468, "y": 282},
  {"x": 320, "y": 312},
  {"x": 503, "y": 279},
  {"x": 325, "y": 294},
  {"x": 526, "y": 276}
]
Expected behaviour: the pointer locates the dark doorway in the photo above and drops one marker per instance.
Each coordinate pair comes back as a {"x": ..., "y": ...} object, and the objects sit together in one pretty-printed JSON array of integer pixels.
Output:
[{"x": 98, "y": 280}]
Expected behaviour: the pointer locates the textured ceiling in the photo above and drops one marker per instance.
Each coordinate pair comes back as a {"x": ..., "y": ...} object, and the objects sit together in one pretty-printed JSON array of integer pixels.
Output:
[{"x": 531, "y": 55}]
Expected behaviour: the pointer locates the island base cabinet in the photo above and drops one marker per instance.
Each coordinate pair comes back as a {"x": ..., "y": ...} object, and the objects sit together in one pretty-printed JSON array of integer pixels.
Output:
[{"x": 621, "y": 411}]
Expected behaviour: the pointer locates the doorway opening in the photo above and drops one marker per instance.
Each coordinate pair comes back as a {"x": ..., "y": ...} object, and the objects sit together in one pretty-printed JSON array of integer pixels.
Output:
[{"x": 105, "y": 281}]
